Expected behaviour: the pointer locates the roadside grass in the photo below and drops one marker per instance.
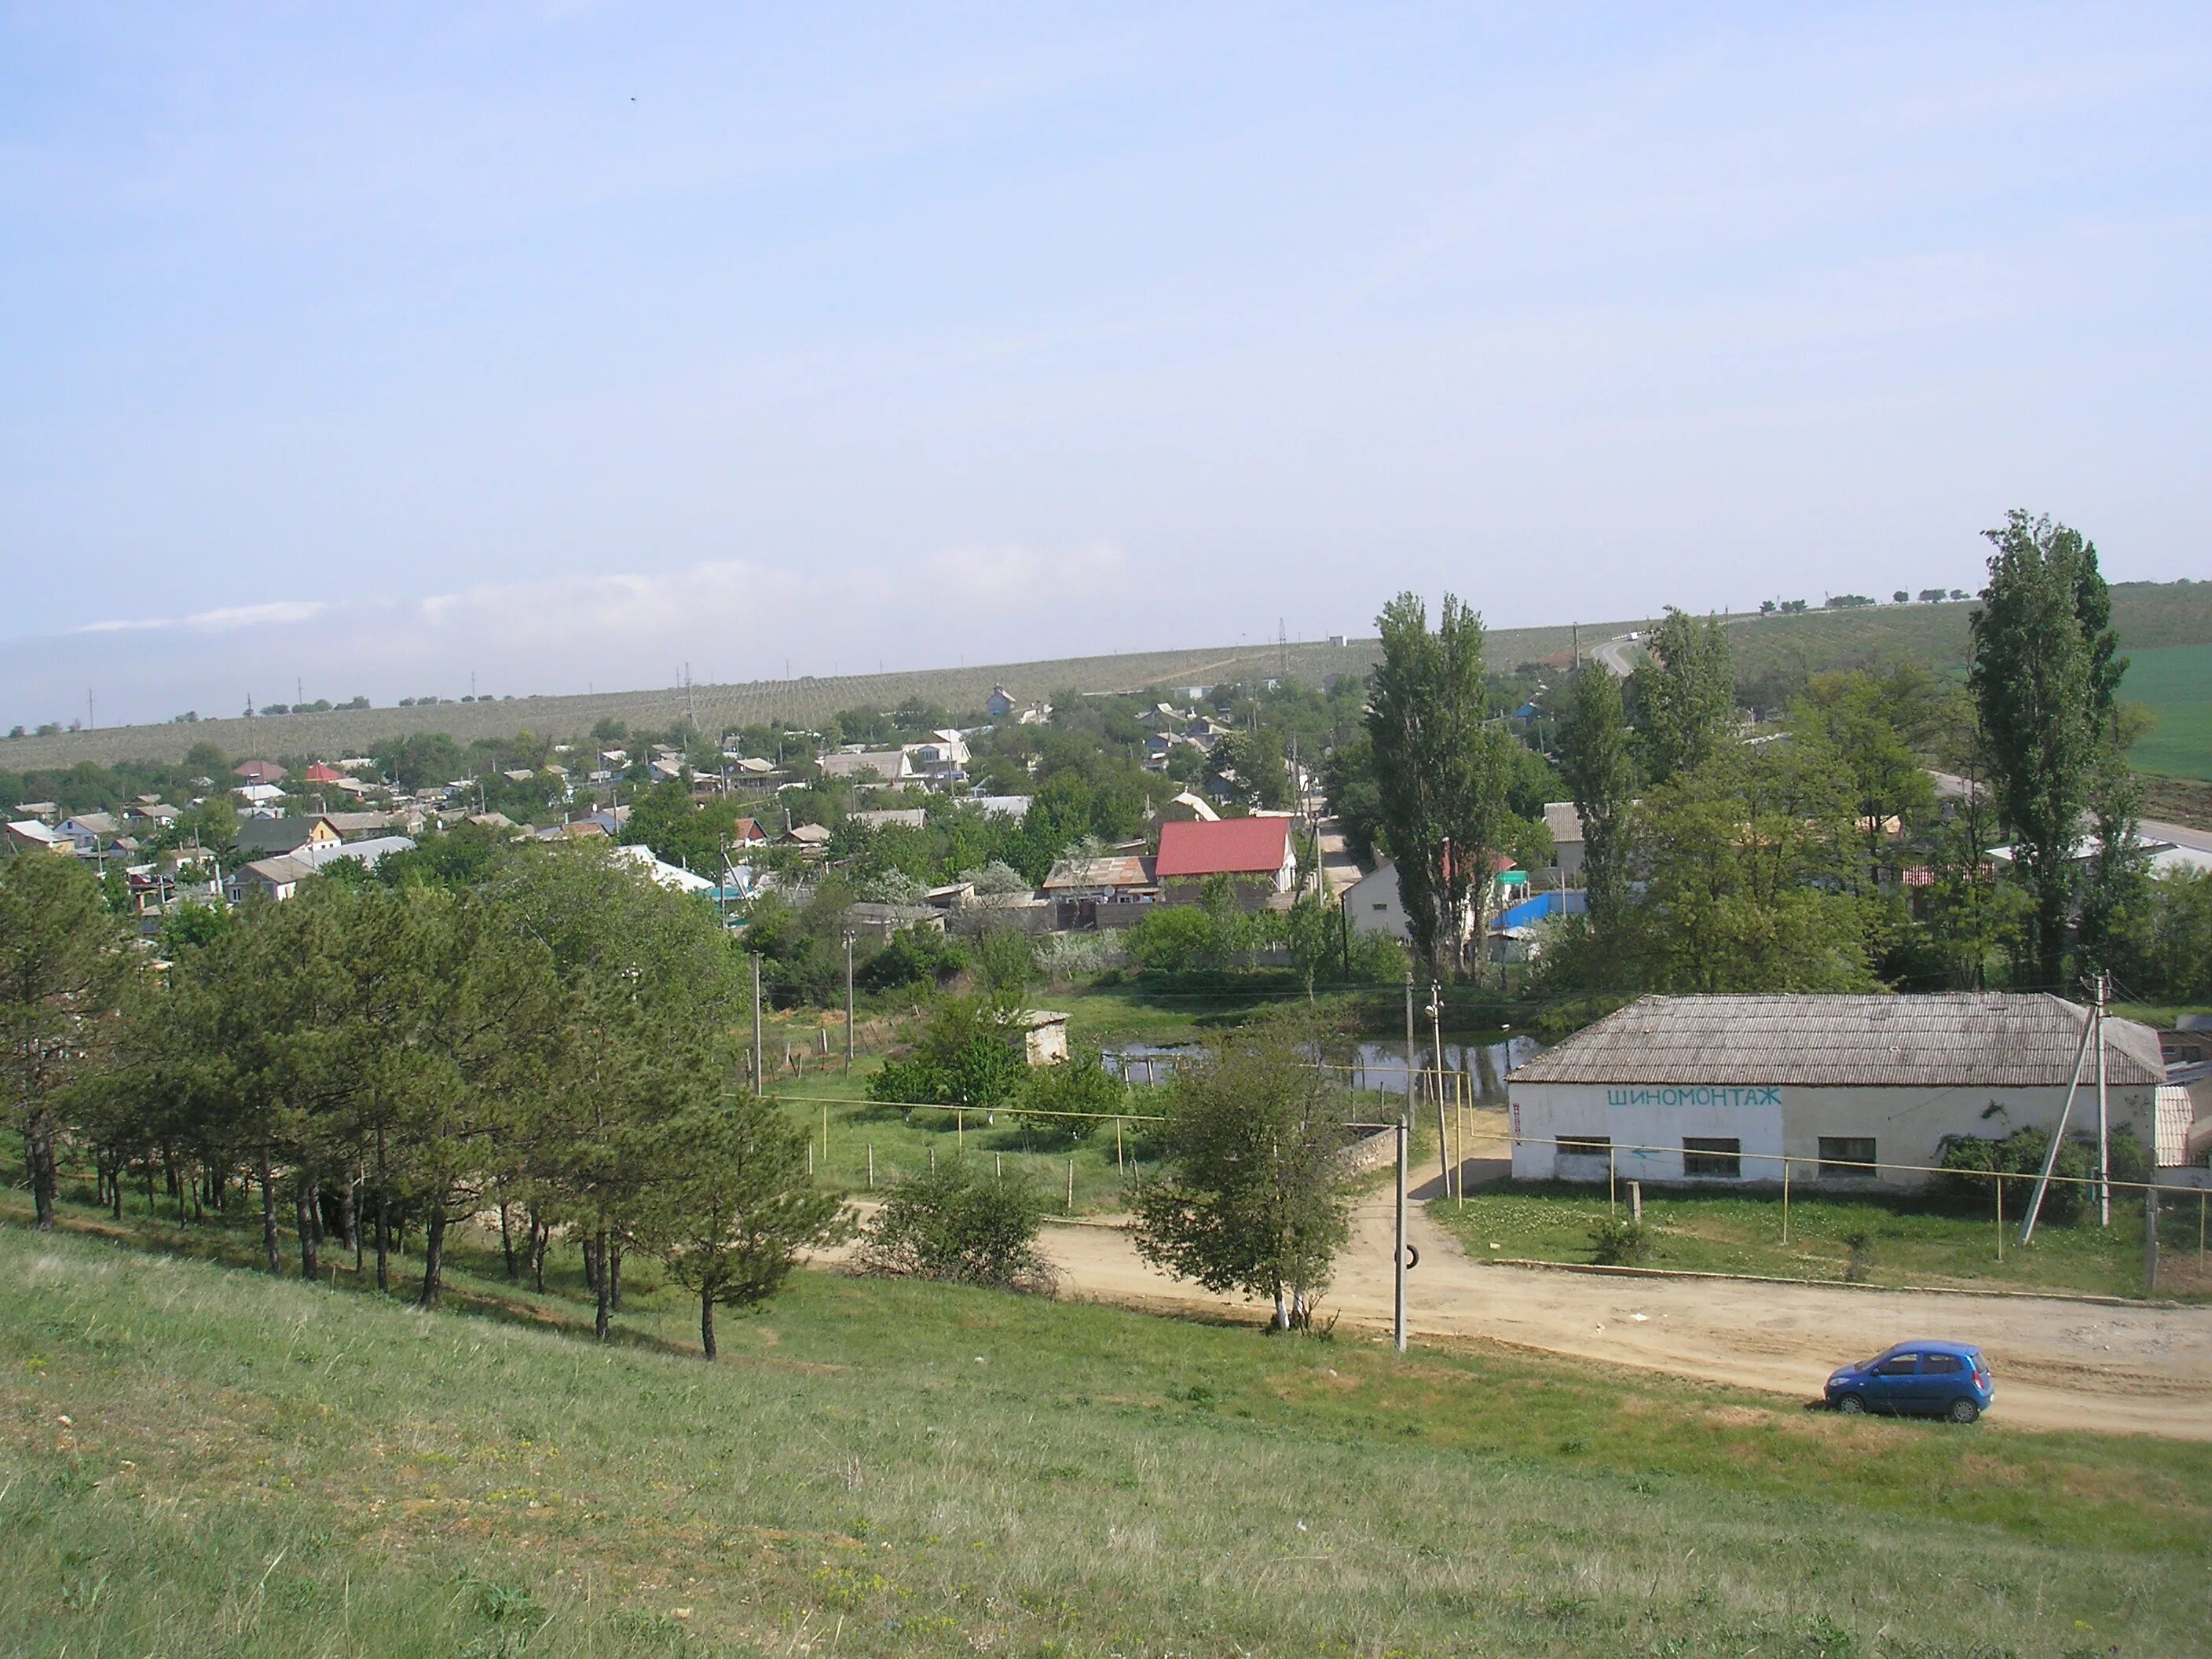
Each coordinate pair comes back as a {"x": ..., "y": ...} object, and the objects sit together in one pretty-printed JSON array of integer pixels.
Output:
[
  {"x": 1911, "y": 1241},
  {"x": 201, "y": 1460},
  {"x": 2175, "y": 682}
]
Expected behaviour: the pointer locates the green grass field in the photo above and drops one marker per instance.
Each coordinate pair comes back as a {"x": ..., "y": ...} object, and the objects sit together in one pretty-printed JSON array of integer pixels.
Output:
[
  {"x": 202, "y": 1461},
  {"x": 1912, "y": 1242},
  {"x": 2175, "y": 682}
]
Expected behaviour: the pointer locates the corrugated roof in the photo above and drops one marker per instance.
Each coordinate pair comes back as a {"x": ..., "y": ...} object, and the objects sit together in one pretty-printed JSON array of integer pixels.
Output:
[
  {"x": 1977, "y": 1039},
  {"x": 1227, "y": 845},
  {"x": 1112, "y": 870}
]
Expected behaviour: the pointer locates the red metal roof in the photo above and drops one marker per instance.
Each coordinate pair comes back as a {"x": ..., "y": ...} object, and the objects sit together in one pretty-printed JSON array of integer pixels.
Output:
[{"x": 1236, "y": 846}]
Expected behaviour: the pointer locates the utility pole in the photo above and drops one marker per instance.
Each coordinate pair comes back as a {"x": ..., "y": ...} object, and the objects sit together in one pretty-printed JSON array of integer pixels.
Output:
[
  {"x": 849, "y": 1002},
  {"x": 2103, "y": 1140},
  {"x": 758, "y": 1086},
  {"x": 1436, "y": 1027},
  {"x": 1398, "y": 1263},
  {"x": 1408, "y": 1113},
  {"x": 2089, "y": 1034}
]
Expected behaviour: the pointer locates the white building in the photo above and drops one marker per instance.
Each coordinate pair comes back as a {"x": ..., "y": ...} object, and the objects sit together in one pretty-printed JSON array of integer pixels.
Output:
[{"x": 1721, "y": 1088}]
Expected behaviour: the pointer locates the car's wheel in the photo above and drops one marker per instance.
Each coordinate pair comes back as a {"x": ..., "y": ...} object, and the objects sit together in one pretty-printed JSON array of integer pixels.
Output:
[
  {"x": 1851, "y": 1406},
  {"x": 1964, "y": 1411}
]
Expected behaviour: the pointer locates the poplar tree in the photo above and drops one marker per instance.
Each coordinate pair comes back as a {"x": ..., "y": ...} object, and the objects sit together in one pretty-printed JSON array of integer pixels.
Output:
[
  {"x": 1601, "y": 776},
  {"x": 1685, "y": 694},
  {"x": 2045, "y": 672},
  {"x": 1440, "y": 772}
]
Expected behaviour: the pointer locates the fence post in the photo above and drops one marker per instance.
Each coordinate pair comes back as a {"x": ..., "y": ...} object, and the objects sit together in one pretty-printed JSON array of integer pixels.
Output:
[
  {"x": 1117, "y": 1147},
  {"x": 1998, "y": 1181},
  {"x": 1071, "y": 1186},
  {"x": 1635, "y": 1201},
  {"x": 871, "y": 1166},
  {"x": 1785, "y": 1198}
]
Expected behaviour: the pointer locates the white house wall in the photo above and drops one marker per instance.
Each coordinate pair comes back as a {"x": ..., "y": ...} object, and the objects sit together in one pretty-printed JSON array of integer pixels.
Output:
[{"x": 1908, "y": 1126}]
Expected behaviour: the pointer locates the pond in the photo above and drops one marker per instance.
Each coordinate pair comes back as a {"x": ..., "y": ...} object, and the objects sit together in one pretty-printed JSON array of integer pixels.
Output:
[{"x": 1369, "y": 1067}]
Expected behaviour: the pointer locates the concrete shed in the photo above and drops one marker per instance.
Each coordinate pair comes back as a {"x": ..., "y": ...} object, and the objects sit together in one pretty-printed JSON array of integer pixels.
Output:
[{"x": 1721, "y": 1088}]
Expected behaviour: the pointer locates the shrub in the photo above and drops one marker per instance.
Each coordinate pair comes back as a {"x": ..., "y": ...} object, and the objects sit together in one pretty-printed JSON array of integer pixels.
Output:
[
  {"x": 948, "y": 1224},
  {"x": 1973, "y": 1158},
  {"x": 1860, "y": 1242},
  {"x": 1621, "y": 1243},
  {"x": 1080, "y": 1082}
]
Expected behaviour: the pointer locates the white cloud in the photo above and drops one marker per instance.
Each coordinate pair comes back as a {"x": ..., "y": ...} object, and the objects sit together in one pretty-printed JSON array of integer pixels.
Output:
[
  {"x": 730, "y": 619},
  {"x": 227, "y": 617}
]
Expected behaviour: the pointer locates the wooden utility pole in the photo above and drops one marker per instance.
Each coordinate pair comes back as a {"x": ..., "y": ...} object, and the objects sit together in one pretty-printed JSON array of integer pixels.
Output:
[
  {"x": 849, "y": 1002},
  {"x": 759, "y": 1085}
]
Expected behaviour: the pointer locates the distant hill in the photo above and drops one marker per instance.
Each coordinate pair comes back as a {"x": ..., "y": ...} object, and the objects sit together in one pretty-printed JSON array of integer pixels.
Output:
[
  {"x": 2146, "y": 614},
  {"x": 802, "y": 703}
]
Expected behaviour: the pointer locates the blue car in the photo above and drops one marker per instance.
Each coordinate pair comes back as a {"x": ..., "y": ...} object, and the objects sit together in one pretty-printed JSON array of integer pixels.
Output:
[{"x": 1926, "y": 1379}]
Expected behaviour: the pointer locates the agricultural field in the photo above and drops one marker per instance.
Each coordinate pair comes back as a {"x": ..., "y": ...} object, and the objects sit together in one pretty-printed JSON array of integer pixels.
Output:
[
  {"x": 2146, "y": 616},
  {"x": 800, "y": 703},
  {"x": 202, "y": 1461},
  {"x": 1831, "y": 1238},
  {"x": 2175, "y": 683}
]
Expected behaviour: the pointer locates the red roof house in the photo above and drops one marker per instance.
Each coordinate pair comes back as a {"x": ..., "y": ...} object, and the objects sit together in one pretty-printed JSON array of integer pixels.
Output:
[
  {"x": 1252, "y": 852},
  {"x": 318, "y": 773}
]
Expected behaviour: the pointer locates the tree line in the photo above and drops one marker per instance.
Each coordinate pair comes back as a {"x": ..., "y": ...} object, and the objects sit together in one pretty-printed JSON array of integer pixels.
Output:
[{"x": 559, "y": 1047}]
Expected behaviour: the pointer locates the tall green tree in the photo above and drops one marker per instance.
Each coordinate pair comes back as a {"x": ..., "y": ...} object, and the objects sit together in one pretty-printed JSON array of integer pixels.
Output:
[
  {"x": 728, "y": 1205},
  {"x": 1441, "y": 770},
  {"x": 1257, "y": 1198},
  {"x": 1684, "y": 693},
  {"x": 1854, "y": 715},
  {"x": 62, "y": 971},
  {"x": 1746, "y": 863},
  {"x": 1600, "y": 771},
  {"x": 2045, "y": 672},
  {"x": 650, "y": 997}
]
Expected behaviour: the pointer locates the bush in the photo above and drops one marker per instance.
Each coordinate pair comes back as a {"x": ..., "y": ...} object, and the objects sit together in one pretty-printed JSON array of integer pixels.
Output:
[
  {"x": 1080, "y": 1082},
  {"x": 914, "y": 955},
  {"x": 948, "y": 1224},
  {"x": 1974, "y": 1158},
  {"x": 1621, "y": 1243}
]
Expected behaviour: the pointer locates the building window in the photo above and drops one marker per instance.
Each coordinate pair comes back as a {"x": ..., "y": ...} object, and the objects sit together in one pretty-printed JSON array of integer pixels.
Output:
[
  {"x": 1585, "y": 1146},
  {"x": 1719, "y": 1159},
  {"x": 1847, "y": 1157}
]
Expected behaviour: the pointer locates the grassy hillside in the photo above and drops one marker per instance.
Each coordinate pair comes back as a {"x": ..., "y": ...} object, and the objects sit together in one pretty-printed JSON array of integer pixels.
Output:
[
  {"x": 2146, "y": 616},
  {"x": 2175, "y": 681},
  {"x": 802, "y": 702},
  {"x": 203, "y": 1461}
]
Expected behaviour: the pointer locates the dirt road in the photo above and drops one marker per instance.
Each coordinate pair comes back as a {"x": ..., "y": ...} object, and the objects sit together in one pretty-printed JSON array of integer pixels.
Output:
[{"x": 2058, "y": 1364}]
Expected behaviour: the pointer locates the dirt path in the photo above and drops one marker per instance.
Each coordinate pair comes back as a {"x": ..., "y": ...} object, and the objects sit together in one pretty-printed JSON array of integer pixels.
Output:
[{"x": 2058, "y": 1364}]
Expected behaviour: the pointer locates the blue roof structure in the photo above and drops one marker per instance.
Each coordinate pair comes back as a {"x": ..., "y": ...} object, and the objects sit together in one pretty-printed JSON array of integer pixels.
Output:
[{"x": 1528, "y": 912}]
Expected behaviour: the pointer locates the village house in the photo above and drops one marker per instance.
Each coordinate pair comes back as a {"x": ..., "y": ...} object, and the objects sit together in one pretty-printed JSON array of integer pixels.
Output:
[
  {"x": 265, "y": 837},
  {"x": 1720, "y": 1089},
  {"x": 870, "y": 765},
  {"x": 1257, "y": 854},
  {"x": 30, "y": 833},
  {"x": 1372, "y": 904},
  {"x": 943, "y": 756},
  {"x": 90, "y": 831},
  {"x": 257, "y": 771}
]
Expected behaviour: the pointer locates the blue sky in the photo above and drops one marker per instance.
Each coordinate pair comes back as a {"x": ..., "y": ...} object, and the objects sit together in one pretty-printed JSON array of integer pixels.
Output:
[{"x": 370, "y": 347}]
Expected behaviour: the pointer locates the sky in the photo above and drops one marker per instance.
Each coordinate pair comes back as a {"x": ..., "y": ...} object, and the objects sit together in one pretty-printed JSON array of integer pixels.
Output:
[{"x": 366, "y": 350}]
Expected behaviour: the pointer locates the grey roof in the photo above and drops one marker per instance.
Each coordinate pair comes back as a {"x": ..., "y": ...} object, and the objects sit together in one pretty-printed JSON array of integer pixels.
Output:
[
  {"x": 1974, "y": 1039},
  {"x": 1564, "y": 820}
]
